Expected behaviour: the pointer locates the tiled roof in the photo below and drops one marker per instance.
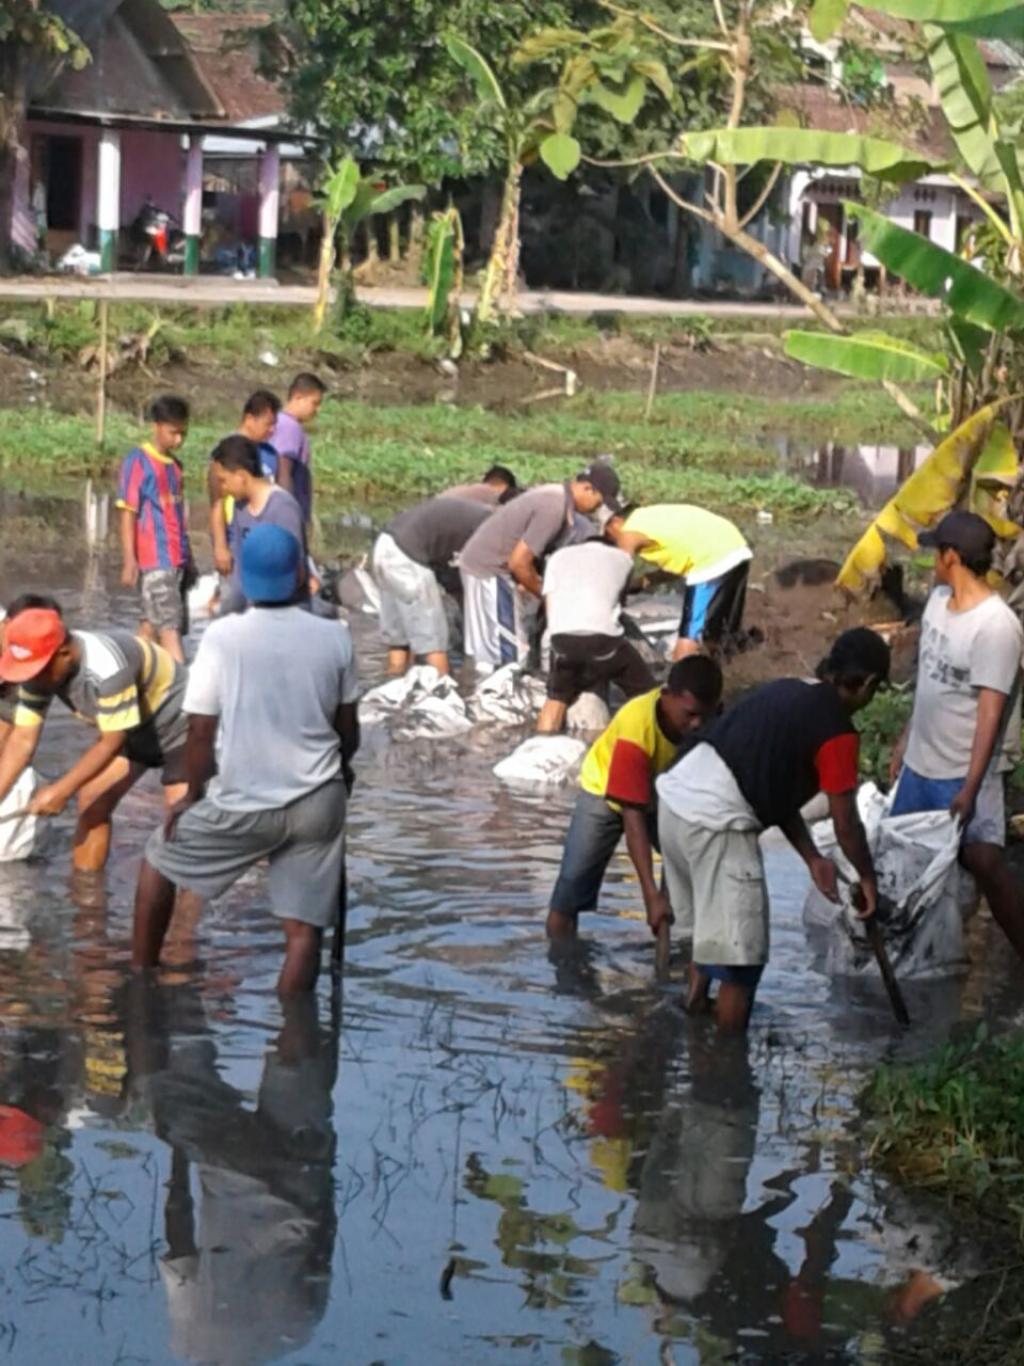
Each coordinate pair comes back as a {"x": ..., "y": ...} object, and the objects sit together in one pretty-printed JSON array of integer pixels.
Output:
[
  {"x": 227, "y": 60},
  {"x": 819, "y": 107}
]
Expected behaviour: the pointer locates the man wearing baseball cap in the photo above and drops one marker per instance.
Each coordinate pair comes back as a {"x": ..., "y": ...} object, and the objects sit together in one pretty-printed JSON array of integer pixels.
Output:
[
  {"x": 129, "y": 689},
  {"x": 499, "y": 563},
  {"x": 964, "y": 733},
  {"x": 282, "y": 764}
]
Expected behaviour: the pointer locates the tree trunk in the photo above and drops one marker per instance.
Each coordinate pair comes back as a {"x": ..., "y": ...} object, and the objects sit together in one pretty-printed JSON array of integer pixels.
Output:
[
  {"x": 13, "y": 95},
  {"x": 781, "y": 271},
  {"x": 513, "y": 248},
  {"x": 495, "y": 276},
  {"x": 414, "y": 250},
  {"x": 323, "y": 276},
  {"x": 394, "y": 238}
]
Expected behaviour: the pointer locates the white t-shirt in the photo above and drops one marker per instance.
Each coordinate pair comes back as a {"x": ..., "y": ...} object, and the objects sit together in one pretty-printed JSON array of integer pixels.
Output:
[
  {"x": 583, "y": 587},
  {"x": 959, "y": 653},
  {"x": 275, "y": 677}
]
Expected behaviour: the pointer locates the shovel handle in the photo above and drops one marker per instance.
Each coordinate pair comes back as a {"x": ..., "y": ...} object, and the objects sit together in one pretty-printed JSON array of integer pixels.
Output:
[{"x": 892, "y": 986}]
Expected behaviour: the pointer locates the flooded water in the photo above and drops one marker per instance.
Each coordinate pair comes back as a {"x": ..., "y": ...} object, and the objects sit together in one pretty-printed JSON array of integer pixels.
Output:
[{"x": 471, "y": 1152}]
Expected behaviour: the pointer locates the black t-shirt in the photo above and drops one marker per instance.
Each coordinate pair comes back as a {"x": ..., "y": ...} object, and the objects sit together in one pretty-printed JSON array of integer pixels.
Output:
[
  {"x": 784, "y": 743},
  {"x": 432, "y": 532}
]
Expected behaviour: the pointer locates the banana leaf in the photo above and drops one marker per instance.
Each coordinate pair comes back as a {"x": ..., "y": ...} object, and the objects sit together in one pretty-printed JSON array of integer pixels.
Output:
[
  {"x": 965, "y": 92},
  {"x": 867, "y": 355},
  {"x": 488, "y": 87},
  {"x": 959, "y": 12},
  {"x": 929, "y": 493},
  {"x": 805, "y": 146},
  {"x": 440, "y": 273},
  {"x": 826, "y": 17},
  {"x": 966, "y": 290},
  {"x": 994, "y": 474}
]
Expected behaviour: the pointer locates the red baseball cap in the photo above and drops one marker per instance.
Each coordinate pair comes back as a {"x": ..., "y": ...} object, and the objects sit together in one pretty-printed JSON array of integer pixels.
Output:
[{"x": 31, "y": 639}]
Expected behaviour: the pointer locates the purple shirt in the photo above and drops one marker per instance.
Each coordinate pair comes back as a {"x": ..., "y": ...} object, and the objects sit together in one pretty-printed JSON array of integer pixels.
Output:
[{"x": 289, "y": 439}]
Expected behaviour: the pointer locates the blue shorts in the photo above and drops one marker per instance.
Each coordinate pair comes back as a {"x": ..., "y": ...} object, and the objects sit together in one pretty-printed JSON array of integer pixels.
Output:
[
  {"x": 591, "y": 840},
  {"x": 988, "y": 823},
  {"x": 713, "y": 610}
]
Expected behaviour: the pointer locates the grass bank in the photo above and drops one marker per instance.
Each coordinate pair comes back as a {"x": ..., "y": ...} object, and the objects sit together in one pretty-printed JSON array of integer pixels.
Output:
[
  {"x": 954, "y": 1127},
  {"x": 719, "y": 450}
]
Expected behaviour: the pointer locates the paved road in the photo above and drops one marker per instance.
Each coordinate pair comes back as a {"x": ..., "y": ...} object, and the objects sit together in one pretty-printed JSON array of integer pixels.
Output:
[{"x": 215, "y": 291}]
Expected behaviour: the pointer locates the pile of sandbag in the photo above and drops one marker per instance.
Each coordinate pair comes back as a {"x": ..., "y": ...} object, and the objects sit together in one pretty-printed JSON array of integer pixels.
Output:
[
  {"x": 424, "y": 704},
  {"x": 926, "y": 893}
]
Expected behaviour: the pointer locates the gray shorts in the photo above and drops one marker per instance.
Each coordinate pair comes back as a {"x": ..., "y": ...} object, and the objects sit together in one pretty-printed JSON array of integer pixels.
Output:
[
  {"x": 165, "y": 599},
  {"x": 304, "y": 842},
  {"x": 412, "y": 615},
  {"x": 716, "y": 885}
]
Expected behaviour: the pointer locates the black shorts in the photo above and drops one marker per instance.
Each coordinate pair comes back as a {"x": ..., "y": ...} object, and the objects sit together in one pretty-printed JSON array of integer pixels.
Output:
[
  {"x": 713, "y": 611},
  {"x": 582, "y": 663},
  {"x": 142, "y": 746}
]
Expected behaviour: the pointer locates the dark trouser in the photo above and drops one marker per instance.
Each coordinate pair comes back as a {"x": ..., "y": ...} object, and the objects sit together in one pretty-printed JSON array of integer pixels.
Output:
[
  {"x": 582, "y": 663},
  {"x": 713, "y": 611},
  {"x": 591, "y": 840}
]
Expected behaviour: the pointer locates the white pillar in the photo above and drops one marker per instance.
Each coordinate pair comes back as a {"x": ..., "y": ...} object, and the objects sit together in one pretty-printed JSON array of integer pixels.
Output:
[
  {"x": 192, "y": 218},
  {"x": 108, "y": 196},
  {"x": 944, "y": 220},
  {"x": 798, "y": 184},
  {"x": 270, "y": 207}
]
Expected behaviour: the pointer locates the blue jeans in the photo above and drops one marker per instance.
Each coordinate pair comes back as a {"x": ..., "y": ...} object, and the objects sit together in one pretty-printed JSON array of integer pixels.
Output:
[{"x": 591, "y": 840}]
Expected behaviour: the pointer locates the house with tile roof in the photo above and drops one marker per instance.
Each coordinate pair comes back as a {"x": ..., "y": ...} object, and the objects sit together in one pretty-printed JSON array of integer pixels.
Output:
[{"x": 133, "y": 127}]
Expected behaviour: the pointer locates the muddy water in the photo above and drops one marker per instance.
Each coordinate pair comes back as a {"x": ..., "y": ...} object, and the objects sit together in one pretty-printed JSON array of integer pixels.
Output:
[{"x": 472, "y": 1153}]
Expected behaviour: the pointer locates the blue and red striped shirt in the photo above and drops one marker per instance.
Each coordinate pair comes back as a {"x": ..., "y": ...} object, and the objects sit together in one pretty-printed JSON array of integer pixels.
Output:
[{"x": 151, "y": 486}]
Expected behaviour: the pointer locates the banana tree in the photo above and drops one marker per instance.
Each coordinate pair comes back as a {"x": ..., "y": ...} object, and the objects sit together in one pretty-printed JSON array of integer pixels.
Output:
[
  {"x": 443, "y": 273},
  {"x": 729, "y": 152},
  {"x": 349, "y": 198}
]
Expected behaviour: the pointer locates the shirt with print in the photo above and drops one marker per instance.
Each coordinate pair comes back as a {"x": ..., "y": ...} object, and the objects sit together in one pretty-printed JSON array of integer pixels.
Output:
[
  {"x": 122, "y": 684},
  {"x": 785, "y": 742},
  {"x": 583, "y": 588},
  {"x": 151, "y": 486},
  {"x": 540, "y": 518},
  {"x": 433, "y": 532},
  {"x": 290, "y": 441},
  {"x": 622, "y": 763},
  {"x": 274, "y": 744},
  {"x": 959, "y": 653},
  {"x": 689, "y": 541}
]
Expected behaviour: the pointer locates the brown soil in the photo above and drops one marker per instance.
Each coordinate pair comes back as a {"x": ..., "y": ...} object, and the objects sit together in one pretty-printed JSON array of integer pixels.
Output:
[{"x": 395, "y": 378}]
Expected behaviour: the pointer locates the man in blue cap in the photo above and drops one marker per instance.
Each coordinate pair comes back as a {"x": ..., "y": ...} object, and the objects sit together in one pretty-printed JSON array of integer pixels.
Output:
[{"x": 277, "y": 788}]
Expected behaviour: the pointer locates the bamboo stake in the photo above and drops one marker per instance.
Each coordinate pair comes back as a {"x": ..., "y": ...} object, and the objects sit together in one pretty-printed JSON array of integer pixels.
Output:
[
  {"x": 101, "y": 383},
  {"x": 652, "y": 388}
]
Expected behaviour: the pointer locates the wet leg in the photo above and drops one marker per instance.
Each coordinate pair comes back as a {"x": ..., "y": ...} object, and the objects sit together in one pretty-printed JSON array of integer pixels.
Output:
[
  {"x": 561, "y": 925},
  {"x": 552, "y": 718},
  {"x": 154, "y": 906},
  {"x": 438, "y": 659},
  {"x": 170, "y": 639},
  {"x": 698, "y": 1002},
  {"x": 398, "y": 662},
  {"x": 733, "y": 1007},
  {"x": 96, "y": 803},
  {"x": 301, "y": 959},
  {"x": 988, "y": 864}
]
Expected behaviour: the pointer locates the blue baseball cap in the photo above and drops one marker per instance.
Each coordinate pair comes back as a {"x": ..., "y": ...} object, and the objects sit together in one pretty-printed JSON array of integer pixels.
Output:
[{"x": 271, "y": 559}]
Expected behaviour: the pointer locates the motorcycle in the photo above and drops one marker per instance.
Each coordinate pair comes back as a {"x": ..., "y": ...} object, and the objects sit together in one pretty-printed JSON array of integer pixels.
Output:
[{"x": 157, "y": 239}]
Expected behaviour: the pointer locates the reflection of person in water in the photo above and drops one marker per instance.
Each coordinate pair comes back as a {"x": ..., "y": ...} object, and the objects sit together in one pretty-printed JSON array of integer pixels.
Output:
[
  {"x": 247, "y": 1269},
  {"x": 35, "y": 1084}
]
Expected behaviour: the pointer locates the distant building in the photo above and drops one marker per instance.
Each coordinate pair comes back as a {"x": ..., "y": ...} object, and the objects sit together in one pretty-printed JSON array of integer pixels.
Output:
[{"x": 136, "y": 126}]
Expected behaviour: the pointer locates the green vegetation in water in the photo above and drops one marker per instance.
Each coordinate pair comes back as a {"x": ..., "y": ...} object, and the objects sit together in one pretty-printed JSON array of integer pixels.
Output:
[{"x": 954, "y": 1126}]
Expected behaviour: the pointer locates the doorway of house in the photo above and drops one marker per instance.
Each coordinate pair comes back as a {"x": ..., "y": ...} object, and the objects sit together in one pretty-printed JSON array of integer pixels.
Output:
[{"x": 61, "y": 173}]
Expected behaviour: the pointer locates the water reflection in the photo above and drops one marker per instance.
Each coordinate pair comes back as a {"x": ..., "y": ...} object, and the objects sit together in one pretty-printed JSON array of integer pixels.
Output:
[{"x": 186, "y": 1175}]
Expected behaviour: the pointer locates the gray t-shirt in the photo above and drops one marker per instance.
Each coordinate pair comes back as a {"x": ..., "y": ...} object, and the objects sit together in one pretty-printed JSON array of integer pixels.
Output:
[
  {"x": 275, "y": 677},
  {"x": 432, "y": 532},
  {"x": 583, "y": 588},
  {"x": 539, "y": 518},
  {"x": 476, "y": 493},
  {"x": 281, "y": 509},
  {"x": 959, "y": 653}
]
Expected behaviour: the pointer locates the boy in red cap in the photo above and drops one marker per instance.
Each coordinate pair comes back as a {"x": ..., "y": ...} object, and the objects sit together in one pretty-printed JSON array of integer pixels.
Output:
[{"x": 129, "y": 689}]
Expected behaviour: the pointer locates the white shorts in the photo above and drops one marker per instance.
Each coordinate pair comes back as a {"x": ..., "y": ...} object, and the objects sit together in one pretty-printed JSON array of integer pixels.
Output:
[
  {"x": 716, "y": 885},
  {"x": 412, "y": 615},
  {"x": 495, "y": 623}
]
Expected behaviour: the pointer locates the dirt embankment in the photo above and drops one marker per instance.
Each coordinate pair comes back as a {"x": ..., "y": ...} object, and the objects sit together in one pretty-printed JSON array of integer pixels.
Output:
[{"x": 607, "y": 363}]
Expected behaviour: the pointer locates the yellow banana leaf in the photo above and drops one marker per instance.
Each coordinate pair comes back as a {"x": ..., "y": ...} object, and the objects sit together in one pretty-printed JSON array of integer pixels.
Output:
[
  {"x": 929, "y": 493},
  {"x": 994, "y": 475}
]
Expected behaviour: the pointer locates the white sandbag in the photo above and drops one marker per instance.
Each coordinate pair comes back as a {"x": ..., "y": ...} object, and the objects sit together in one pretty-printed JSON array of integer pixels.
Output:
[
  {"x": 365, "y": 587},
  {"x": 918, "y": 874},
  {"x": 508, "y": 697},
  {"x": 201, "y": 596},
  {"x": 422, "y": 703},
  {"x": 588, "y": 713},
  {"x": 20, "y": 836},
  {"x": 542, "y": 761}
]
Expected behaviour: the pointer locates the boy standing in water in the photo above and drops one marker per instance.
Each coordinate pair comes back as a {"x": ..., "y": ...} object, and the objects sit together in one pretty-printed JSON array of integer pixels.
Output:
[
  {"x": 259, "y": 417},
  {"x": 154, "y": 540},
  {"x": 289, "y": 440}
]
